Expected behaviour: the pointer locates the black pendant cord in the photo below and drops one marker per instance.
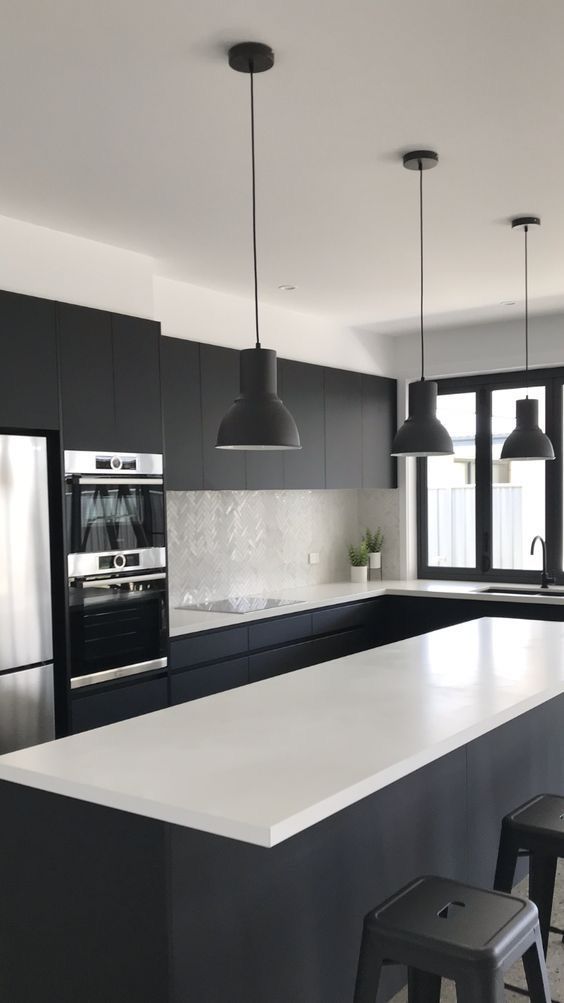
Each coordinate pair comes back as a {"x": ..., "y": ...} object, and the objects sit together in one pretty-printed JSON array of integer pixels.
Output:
[
  {"x": 421, "y": 268},
  {"x": 527, "y": 308},
  {"x": 255, "y": 269}
]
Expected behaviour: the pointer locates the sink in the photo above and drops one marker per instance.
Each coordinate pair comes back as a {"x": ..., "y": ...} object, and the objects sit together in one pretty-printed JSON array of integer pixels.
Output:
[{"x": 493, "y": 590}]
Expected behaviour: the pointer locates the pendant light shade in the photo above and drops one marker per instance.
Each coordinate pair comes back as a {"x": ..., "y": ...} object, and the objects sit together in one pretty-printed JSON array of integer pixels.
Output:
[
  {"x": 422, "y": 434},
  {"x": 257, "y": 419},
  {"x": 527, "y": 441}
]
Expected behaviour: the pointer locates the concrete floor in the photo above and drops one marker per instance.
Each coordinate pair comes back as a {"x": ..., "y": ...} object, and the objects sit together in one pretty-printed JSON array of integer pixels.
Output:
[{"x": 555, "y": 960}]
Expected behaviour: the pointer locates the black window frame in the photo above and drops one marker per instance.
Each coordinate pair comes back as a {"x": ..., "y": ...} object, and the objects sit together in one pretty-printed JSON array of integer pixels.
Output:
[{"x": 483, "y": 385}]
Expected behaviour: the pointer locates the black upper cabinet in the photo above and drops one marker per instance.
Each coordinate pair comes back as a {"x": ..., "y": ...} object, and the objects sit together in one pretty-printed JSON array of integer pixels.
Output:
[
  {"x": 343, "y": 429},
  {"x": 379, "y": 423},
  {"x": 301, "y": 388},
  {"x": 182, "y": 414},
  {"x": 137, "y": 382},
  {"x": 223, "y": 468},
  {"x": 87, "y": 377},
  {"x": 28, "y": 373},
  {"x": 110, "y": 380}
]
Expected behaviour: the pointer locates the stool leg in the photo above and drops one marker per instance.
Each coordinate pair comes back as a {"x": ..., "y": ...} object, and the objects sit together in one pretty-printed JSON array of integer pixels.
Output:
[
  {"x": 542, "y": 875},
  {"x": 488, "y": 988},
  {"x": 535, "y": 972},
  {"x": 506, "y": 861},
  {"x": 369, "y": 969},
  {"x": 423, "y": 987}
]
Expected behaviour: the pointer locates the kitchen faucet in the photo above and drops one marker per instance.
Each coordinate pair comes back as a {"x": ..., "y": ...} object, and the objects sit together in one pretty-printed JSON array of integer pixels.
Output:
[{"x": 545, "y": 579}]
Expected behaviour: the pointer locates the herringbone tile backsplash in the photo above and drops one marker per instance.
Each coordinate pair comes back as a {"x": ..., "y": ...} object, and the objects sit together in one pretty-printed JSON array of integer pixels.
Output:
[{"x": 227, "y": 543}]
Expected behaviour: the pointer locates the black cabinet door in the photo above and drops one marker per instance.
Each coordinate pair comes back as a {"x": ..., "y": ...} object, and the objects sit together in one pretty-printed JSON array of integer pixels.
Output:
[
  {"x": 302, "y": 390},
  {"x": 118, "y": 703},
  {"x": 223, "y": 468},
  {"x": 87, "y": 377},
  {"x": 182, "y": 414},
  {"x": 29, "y": 395},
  {"x": 379, "y": 423},
  {"x": 202, "y": 682},
  {"x": 137, "y": 381},
  {"x": 343, "y": 429}
]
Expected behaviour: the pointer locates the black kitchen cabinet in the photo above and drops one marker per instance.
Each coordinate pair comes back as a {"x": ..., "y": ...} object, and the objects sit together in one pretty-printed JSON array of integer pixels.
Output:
[
  {"x": 87, "y": 377},
  {"x": 203, "y": 682},
  {"x": 379, "y": 423},
  {"x": 182, "y": 414},
  {"x": 302, "y": 390},
  {"x": 137, "y": 384},
  {"x": 219, "y": 367},
  {"x": 117, "y": 702},
  {"x": 29, "y": 397},
  {"x": 343, "y": 429},
  {"x": 110, "y": 380}
]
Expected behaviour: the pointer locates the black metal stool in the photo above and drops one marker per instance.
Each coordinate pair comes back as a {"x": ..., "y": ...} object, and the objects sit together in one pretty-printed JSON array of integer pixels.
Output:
[
  {"x": 442, "y": 929},
  {"x": 536, "y": 829}
]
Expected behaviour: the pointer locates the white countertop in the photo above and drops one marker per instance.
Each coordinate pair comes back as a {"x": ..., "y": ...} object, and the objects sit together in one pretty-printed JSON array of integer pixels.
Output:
[
  {"x": 266, "y": 761},
  {"x": 184, "y": 622}
]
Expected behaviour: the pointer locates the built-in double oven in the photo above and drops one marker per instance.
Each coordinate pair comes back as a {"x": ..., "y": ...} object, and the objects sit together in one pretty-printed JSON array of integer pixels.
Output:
[{"x": 116, "y": 557}]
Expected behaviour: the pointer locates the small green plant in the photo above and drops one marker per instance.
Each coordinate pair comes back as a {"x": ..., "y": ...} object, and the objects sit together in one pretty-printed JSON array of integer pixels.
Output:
[
  {"x": 358, "y": 556},
  {"x": 373, "y": 541}
]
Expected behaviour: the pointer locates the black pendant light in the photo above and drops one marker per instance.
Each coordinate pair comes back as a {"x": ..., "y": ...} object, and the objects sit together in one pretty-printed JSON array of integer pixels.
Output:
[
  {"x": 422, "y": 434},
  {"x": 527, "y": 441},
  {"x": 258, "y": 418}
]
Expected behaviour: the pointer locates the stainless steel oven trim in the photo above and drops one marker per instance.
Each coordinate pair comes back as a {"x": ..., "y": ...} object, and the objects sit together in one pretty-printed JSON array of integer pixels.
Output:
[
  {"x": 84, "y": 462},
  {"x": 105, "y": 583},
  {"x": 106, "y": 675},
  {"x": 81, "y": 565},
  {"x": 105, "y": 480}
]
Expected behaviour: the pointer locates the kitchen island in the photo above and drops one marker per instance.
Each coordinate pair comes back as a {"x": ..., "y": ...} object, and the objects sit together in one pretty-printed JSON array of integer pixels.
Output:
[{"x": 228, "y": 848}]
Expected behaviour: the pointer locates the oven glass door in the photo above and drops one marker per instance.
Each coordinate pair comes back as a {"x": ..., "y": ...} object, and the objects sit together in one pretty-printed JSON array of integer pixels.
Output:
[
  {"x": 117, "y": 629},
  {"x": 113, "y": 515}
]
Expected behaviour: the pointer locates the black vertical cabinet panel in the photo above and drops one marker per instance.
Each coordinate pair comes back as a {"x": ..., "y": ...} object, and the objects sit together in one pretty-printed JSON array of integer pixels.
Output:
[
  {"x": 343, "y": 429},
  {"x": 265, "y": 468},
  {"x": 379, "y": 423},
  {"x": 136, "y": 347},
  {"x": 302, "y": 390},
  {"x": 223, "y": 468},
  {"x": 87, "y": 377},
  {"x": 182, "y": 414},
  {"x": 29, "y": 396}
]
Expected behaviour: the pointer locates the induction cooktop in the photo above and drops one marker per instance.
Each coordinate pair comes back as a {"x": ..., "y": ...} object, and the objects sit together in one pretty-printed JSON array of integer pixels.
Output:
[{"x": 239, "y": 604}]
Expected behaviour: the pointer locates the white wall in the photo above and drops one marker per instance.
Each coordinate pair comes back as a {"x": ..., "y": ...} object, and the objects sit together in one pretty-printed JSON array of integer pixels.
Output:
[{"x": 43, "y": 262}]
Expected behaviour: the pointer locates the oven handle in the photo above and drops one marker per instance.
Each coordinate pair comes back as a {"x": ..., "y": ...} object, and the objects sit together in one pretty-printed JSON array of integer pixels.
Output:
[
  {"x": 106, "y": 675},
  {"x": 106, "y": 583},
  {"x": 107, "y": 481}
]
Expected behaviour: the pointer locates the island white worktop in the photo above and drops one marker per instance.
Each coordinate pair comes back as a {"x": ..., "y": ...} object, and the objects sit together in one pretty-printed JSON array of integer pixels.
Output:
[
  {"x": 304, "y": 598},
  {"x": 266, "y": 761}
]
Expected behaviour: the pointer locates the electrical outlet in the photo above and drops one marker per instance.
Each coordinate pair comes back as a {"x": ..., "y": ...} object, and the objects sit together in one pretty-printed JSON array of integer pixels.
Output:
[{"x": 313, "y": 558}]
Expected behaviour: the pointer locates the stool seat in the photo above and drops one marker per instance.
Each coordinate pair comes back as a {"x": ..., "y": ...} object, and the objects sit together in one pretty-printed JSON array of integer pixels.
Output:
[
  {"x": 441, "y": 928},
  {"x": 536, "y": 828}
]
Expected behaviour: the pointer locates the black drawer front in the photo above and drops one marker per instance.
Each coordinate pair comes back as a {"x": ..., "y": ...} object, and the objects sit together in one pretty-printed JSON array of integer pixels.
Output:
[
  {"x": 212, "y": 647},
  {"x": 269, "y": 633},
  {"x": 195, "y": 683},
  {"x": 336, "y": 618},
  {"x": 325, "y": 649},
  {"x": 118, "y": 703},
  {"x": 266, "y": 664}
]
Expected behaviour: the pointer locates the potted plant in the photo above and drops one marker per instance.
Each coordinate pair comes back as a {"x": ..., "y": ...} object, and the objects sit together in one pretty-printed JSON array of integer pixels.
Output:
[
  {"x": 374, "y": 543},
  {"x": 358, "y": 557}
]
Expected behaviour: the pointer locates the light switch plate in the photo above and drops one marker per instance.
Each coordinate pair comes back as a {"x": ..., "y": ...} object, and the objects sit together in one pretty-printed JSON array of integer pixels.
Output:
[{"x": 313, "y": 558}]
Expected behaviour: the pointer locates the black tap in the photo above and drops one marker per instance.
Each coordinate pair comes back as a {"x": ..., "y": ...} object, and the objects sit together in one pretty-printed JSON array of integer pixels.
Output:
[{"x": 545, "y": 578}]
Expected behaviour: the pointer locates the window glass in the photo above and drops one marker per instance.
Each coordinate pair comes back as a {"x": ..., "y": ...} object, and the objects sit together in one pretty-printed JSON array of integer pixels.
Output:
[
  {"x": 518, "y": 488},
  {"x": 451, "y": 487}
]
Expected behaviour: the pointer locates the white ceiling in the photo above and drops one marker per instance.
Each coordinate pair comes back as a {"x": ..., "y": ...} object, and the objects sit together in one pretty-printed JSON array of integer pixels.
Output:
[{"x": 121, "y": 121}]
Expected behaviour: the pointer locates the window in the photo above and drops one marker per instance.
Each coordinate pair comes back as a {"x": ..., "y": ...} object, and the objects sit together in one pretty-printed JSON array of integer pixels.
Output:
[{"x": 477, "y": 513}]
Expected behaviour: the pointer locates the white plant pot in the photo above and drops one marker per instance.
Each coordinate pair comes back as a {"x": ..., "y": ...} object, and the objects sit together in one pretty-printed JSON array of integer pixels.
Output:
[
  {"x": 359, "y": 575},
  {"x": 375, "y": 561}
]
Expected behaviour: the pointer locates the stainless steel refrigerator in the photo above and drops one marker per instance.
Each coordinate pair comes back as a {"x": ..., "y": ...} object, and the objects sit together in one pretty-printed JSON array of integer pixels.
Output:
[{"x": 26, "y": 629}]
